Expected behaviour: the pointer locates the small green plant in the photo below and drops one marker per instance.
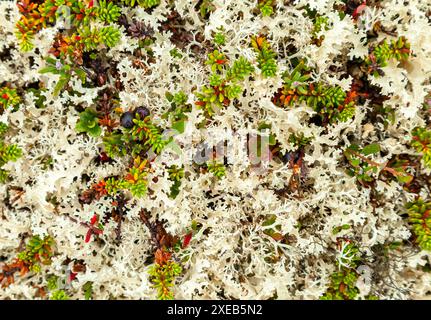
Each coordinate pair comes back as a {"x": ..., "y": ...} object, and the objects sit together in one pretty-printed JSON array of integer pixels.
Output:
[
  {"x": 38, "y": 251},
  {"x": 274, "y": 232},
  {"x": 299, "y": 140},
  {"x": 367, "y": 170},
  {"x": 380, "y": 55},
  {"x": 343, "y": 281},
  {"x": 143, "y": 3},
  {"x": 223, "y": 82},
  {"x": 217, "y": 169},
  {"x": 9, "y": 98},
  {"x": 8, "y": 152},
  {"x": 64, "y": 70},
  {"x": 89, "y": 123},
  {"x": 266, "y": 7},
  {"x": 144, "y": 130},
  {"x": 419, "y": 213},
  {"x": 88, "y": 290},
  {"x": 175, "y": 174},
  {"x": 108, "y": 11},
  {"x": 330, "y": 102},
  {"x": 219, "y": 38},
  {"x": 163, "y": 273},
  {"x": 421, "y": 141},
  {"x": 59, "y": 295},
  {"x": 206, "y": 8},
  {"x": 265, "y": 56}
]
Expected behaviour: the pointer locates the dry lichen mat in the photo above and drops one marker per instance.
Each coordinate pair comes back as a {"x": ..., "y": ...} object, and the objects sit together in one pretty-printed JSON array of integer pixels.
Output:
[{"x": 215, "y": 149}]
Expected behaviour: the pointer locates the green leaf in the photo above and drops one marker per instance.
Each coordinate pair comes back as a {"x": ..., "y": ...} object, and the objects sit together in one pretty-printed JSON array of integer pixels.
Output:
[
  {"x": 179, "y": 126},
  {"x": 371, "y": 149}
]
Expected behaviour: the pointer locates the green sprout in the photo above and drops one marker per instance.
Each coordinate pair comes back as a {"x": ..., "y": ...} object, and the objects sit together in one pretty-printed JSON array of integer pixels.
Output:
[
  {"x": 419, "y": 213},
  {"x": 421, "y": 141},
  {"x": 89, "y": 123}
]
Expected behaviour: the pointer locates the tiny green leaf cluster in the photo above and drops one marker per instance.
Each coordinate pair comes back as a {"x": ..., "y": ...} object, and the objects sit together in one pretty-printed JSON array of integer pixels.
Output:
[
  {"x": 360, "y": 168},
  {"x": 328, "y": 101},
  {"x": 163, "y": 278},
  {"x": 64, "y": 70},
  {"x": 223, "y": 82},
  {"x": 265, "y": 56},
  {"x": 9, "y": 98},
  {"x": 266, "y": 7},
  {"x": 108, "y": 11},
  {"x": 421, "y": 141},
  {"x": 175, "y": 174},
  {"x": 59, "y": 295},
  {"x": 380, "y": 55},
  {"x": 217, "y": 169},
  {"x": 89, "y": 123},
  {"x": 143, "y": 3},
  {"x": 38, "y": 250},
  {"x": 8, "y": 152},
  {"x": 419, "y": 213},
  {"x": 343, "y": 282}
]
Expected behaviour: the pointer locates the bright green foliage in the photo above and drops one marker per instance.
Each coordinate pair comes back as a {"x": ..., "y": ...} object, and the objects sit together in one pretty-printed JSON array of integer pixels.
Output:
[
  {"x": 143, "y": 3},
  {"x": 177, "y": 113},
  {"x": 217, "y": 169},
  {"x": 328, "y": 101},
  {"x": 108, "y": 11},
  {"x": 77, "y": 12},
  {"x": 8, "y": 152},
  {"x": 64, "y": 70},
  {"x": 421, "y": 141},
  {"x": 52, "y": 283},
  {"x": 59, "y": 295},
  {"x": 143, "y": 136},
  {"x": 9, "y": 98},
  {"x": 89, "y": 123},
  {"x": 92, "y": 38},
  {"x": 163, "y": 278},
  {"x": 219, "y": 38},
  {"x": 419, "y": 213},
  {"x": 216, "y": 60},
  {"x": 397, "y": 49},
  {"x": 240, "y": 70},
  {"x": 266, "y": 56},
  {"x": 343, "y": 286},
  {"x": 88, "y": 290},
  {"x": 320, "y": 23},
  {"x": 147, "y": 132},
  {"x": 266, "y": 7},
  {"x": 175, "y": 174},
  {"x": 338, "y": 229},
  {"x": 223, "y": 82},
  {"x": 136, "y": 179},
  {"x": 37, "y": 251}
]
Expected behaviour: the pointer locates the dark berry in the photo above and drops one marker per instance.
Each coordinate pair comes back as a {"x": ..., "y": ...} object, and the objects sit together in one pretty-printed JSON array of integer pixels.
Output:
[
  {"x": 142, "y": 111},
  {"x": 127, "y": 120}
]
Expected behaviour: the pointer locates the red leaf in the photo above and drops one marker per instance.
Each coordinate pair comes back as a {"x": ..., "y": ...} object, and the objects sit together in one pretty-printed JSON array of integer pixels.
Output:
[
  {"x": 359, "y": 9},
  {"x": 5, "y": 96},
  {"x": 88, "y": 236},
  {"x": 72, "y": 276},
  {"x": 187, "y": 239},
  {"x": 93, "y": 219}
]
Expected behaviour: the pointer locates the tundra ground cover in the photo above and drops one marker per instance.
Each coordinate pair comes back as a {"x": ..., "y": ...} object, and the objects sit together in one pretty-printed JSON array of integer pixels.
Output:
[{"x": 215, "y": 149}]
